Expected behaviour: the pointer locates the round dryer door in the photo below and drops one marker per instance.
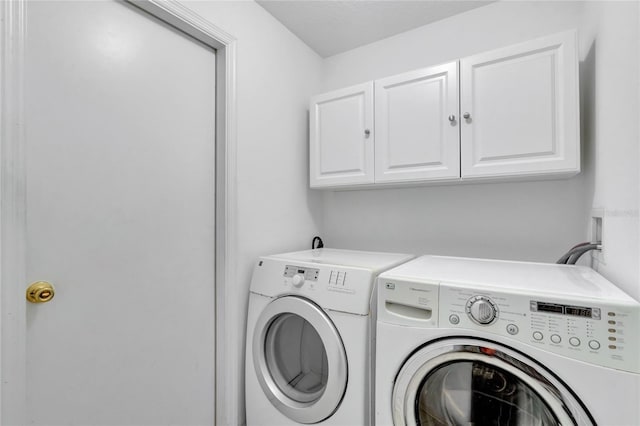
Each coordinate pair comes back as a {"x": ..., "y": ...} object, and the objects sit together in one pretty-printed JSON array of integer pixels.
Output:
[
  {"x": 470, "y": 381},
  {"x": 299, "y": 359}
]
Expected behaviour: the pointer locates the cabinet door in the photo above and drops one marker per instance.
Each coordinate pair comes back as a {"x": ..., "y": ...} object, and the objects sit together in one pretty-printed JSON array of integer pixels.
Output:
[
  {"x": 522, "y": 106},
  {"x": 417, "y": 126},
  {"x": 341, "y": 140}
]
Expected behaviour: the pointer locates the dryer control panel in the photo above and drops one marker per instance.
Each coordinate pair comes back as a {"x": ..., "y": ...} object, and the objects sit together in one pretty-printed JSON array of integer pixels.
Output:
[
  {"x": 595, "y": 331},
  {"x": 298, "y": 276},
  {"x": 333, "y": 287}
]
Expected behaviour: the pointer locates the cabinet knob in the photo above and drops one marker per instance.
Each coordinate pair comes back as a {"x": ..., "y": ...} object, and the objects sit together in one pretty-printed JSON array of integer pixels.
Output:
[
  {"x": 367, "y": 133},
  {"x": 466, "y": 115},
  {"x": 452, "y": 118}
]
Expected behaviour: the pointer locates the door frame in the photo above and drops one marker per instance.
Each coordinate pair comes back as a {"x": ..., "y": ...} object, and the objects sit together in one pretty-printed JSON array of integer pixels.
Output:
[{"x": 13, "y": 201}]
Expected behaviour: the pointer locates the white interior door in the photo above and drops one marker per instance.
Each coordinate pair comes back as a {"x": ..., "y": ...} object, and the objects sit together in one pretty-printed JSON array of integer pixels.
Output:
[{"x": 120, "y": 218}]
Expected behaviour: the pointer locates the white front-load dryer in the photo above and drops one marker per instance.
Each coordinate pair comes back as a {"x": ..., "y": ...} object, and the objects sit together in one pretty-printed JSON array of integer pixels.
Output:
[
  {"x": 486, "y": 342},
  {"x": 309, "y": 337}
]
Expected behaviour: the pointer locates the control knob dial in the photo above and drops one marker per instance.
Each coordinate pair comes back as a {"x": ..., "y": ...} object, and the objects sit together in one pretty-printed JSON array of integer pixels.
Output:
[
  {"x": 482, "y": 310},
  {"x": 297, "y": 280}
]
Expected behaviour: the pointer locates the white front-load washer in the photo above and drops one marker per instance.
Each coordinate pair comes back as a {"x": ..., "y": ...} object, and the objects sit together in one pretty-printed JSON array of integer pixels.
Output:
[
  {"x": 309, "y": 337},
  {"x": 487, "y": 342}
]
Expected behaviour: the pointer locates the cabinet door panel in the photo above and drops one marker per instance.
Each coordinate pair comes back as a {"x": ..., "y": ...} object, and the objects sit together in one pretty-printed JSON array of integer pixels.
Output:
[
  {"x": 414, "y": 138},
  {"x": 341, "y": 152},
  {"x": 523, "y": 103}
]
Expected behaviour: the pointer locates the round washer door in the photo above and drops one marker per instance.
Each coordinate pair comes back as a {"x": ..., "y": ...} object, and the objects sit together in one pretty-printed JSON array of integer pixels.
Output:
[
  {"x": 299, "y": 359},
  {"x": 470, "y": 381}
]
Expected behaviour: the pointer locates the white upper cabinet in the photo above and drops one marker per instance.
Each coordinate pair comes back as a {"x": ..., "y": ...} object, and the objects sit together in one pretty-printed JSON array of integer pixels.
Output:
[
  {"x": 416, "y": 124},
  {"x": 522, "y": 109},
  {"x": 342, "y": 139},
  {"x": 510, "y": 113}
]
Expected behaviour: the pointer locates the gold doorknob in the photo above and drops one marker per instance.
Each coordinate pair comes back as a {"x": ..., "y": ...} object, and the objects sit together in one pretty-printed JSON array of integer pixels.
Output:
[{"x": 40, "y": 292}]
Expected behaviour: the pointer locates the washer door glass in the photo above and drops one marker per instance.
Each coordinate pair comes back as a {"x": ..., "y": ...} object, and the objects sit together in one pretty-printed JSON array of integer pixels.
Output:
[
  {"x": 296, "y": 358},
  {"x": 467, "y": 392},
  {"x": 467, "y": 381},
  {"x": 299, "y": 359}
]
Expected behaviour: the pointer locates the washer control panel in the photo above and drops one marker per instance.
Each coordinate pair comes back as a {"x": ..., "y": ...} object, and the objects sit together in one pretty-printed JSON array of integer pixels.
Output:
[{"x": 596, "y": 331}]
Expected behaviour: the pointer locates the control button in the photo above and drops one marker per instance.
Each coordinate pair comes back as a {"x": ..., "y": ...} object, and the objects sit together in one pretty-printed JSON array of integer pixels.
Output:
[
  {"x": 574, "y": 341},
  {"x": 537, "y": 335},
  {"x": 612, "y": 314},
  {"x": 612, "y": 346},
  {"x": 612, "y": 330},
  {"x": 594, "y": 344},
  {"x": 613, "y": 339},
  {"x": 512, "y": 329},
  {"x": 297, "y": 280},
  {"x": 454, "y": 319},
  {"x": 611, "y": 322},
  {"x": 555, "y": 338},
  {"x": 390, "y": 286}
]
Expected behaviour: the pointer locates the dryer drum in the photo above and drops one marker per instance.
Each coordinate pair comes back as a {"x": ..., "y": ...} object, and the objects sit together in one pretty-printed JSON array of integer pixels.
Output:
[{"x": 300, "y": 373}]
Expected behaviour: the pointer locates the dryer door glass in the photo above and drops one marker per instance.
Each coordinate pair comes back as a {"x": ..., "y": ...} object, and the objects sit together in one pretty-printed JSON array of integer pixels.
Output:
[
  {"x": 466, "y": 392},
  {"x": 300, "y": 359},
  {"x": 296, "y": 358}
]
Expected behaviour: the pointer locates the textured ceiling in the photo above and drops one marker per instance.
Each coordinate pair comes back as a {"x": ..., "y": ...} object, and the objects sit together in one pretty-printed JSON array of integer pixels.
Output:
[{"x": 332, "y": 26}]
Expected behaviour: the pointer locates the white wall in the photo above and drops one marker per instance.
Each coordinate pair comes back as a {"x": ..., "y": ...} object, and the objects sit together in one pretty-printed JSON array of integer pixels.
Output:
[
  {"x": 530, "y": 220},
  {"x": 612, "y": 119},
  {"x": 535, "y": 221},
  {"x": 276, "y": 75}
]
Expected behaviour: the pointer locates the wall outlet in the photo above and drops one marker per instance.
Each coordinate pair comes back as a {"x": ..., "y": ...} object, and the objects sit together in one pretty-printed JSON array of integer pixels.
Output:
[{"x": 597, "y": 235}]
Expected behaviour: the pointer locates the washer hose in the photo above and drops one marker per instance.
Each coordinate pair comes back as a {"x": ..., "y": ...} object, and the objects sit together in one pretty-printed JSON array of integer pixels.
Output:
[{"x": 572, "y": 256}]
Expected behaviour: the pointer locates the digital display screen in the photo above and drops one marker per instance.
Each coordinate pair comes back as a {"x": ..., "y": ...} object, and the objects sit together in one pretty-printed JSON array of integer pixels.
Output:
[
  {"x": 555, "y": 308},
  {"x": 550, "y": 307},
  {"x": 578, "y": 311}
]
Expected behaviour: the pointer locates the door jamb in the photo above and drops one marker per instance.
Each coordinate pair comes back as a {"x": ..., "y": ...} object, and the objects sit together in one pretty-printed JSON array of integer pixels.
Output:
[
  {"x": 12, "y": 213},
  {"x": 13, "y": 202}
]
